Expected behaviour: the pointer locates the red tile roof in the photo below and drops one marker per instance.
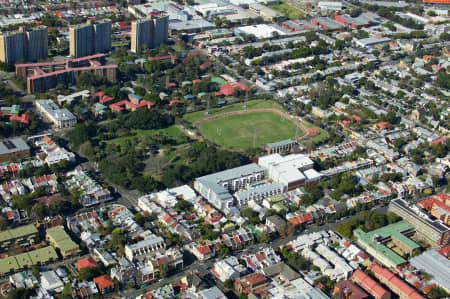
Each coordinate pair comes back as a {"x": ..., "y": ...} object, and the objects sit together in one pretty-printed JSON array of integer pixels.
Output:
[
  {"x": 205, "y": 65},
  {"x": 356, "y": 117},
  {"x": 226, "y": 89},
  {"x": 429, "y": 203},
  {"x": 167, "y": 218},
  {"x": 439, "y": 140},
  {"x": 350, "y": 289},
  {"x": 252, "y": 280},
  {"x": 87, "y": 262},
  {"x": 104, "y": 282},
  {"x": 24, "y": 118},
  {"x": 204, "y": 250},
  {"x": 368, "y": 284},
  {"x": 445, "y": 251},
  {"x": 382, "y": 124},
  {"x": 402, "y": 288},
  {"x": 239, "y": 85}
]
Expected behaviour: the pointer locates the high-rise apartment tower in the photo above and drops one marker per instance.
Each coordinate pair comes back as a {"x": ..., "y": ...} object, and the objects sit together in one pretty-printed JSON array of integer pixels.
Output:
[{"x": 151, "y": 32}]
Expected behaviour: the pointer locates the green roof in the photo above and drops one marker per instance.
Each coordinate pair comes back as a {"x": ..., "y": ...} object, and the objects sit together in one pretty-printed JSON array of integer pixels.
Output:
[
  {"x": 14, "y": 109},
  {"x": 8, "y": 264},
  {"x": 276, "y": 198},
  {"x": 24, "y": 260},
  {"x": 61, "y": 238},
  {"x": 218, "y": 80},
  {"x": 67, "y": 245},
  {"x": 43, "y": 255},
  {"x": 18, "y": 232},
  {"x": 27, "y": 259},
  {"x": 396, "y": 231}
]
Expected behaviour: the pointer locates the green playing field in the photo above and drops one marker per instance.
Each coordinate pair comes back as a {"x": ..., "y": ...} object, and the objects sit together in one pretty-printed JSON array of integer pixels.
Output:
[{"x": 248, "y": 130}]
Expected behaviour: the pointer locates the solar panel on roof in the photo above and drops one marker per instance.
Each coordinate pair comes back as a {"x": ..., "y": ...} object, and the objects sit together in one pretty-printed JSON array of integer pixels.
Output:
[{"x": 9, "y": 145}]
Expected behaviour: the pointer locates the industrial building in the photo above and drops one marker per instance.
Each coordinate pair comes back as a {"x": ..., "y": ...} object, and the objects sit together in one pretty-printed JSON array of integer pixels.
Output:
[
  {"x": 150, "y": 32},
  {"x": 433, "y": 232},
  {"x": 264, "y": 11},
  {"x": 432, "y": 262},
  {"x": 372, "y": 41},
  {"x": 90, "y": 38},
  {"x": 24, "y": 45}
]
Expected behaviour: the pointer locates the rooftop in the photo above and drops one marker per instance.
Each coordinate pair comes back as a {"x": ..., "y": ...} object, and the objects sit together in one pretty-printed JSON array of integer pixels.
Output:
[
  {"x": 435, "y": 264},
  {"x": 375, "y": 239},
  {"x": 10, "y": 146},
  {"x": 18, "y": 232}
]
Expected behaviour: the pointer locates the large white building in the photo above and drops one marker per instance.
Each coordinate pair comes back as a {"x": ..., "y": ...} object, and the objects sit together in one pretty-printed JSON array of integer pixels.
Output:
[
  {"x": 145, "y": 248},
  {"x": 217, "y": 187},
  {"x": 228, "y": 268},
  {"x": 290, "y": 171},
  {"x": 60, "y": 117}
]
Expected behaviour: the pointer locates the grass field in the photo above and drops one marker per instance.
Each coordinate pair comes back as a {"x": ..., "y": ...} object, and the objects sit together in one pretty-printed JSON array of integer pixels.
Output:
[
  {"x": 172, "y": 132},
  {"x": 288, "y": 11},
  {"x": 257, "y": 104},
  {"x": 238, "y": 131}
]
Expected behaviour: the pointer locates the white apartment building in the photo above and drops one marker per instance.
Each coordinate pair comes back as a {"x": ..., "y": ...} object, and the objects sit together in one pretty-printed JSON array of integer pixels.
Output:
[
  {"x": 142, "y": 249},
  {"x": 217, "y": 187}
]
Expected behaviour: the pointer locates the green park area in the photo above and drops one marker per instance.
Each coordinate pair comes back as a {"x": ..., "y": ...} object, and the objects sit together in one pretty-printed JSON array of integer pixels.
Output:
[
  {"x": 249, "y": 130},
  {"x": 171, "y": 132},
  {"x": 256, "y": 104}
]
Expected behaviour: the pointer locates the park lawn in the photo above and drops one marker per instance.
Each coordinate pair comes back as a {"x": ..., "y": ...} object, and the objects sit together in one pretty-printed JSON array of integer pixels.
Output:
[
  {"x": 238, "y": 131},
  {"x": 288, "y": 11},
  {"x": 255, "y": 104},
  {"x": 171, "y": 131}
]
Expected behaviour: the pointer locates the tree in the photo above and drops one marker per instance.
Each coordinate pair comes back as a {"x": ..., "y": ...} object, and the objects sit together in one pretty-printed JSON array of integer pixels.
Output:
[
  {"x": 67, "y": 292},
  {"x": 81, "y": 133},
  {"x": 118, "y": 238},
  {"x": 131, "y": 284},
  {"x": 263, "y": 237},
  {"x": 437, "y": 293},
  {"x": 35, "y": 269},
  {"x": 228, "y": 284},
  {"x": 20, "y": 293},
  {"x": 223, "y": 251},
  {"x": 392, "y": 217},
  {"x": 182, "y": 206},
  {"x": 3, "y": 222},
  {"x": 86, "y": 80},
  {"x": 140, "y": 219},
  {"x": 87, "y": 274}
]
